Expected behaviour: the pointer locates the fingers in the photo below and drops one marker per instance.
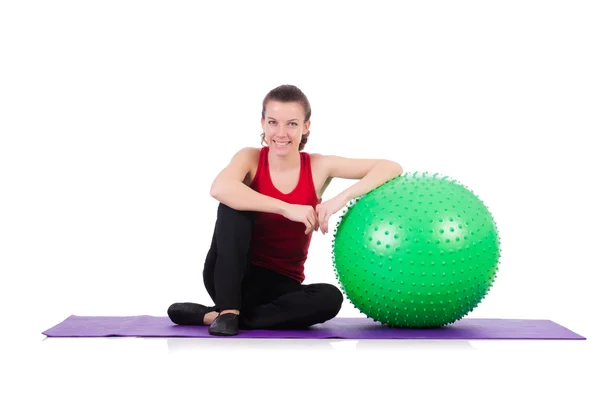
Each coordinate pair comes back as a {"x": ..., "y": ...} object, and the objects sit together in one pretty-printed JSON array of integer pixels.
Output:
[
  {"x": 309, "y": 224},
  {"x": 316, "y": 220},
  {"x": 323, "y": 219},
  {"x": 325, "y": 224},
  {"x": 321, "y": 215},
  {"x": 309, "y": 227},
  {"x": 312, "y": 223}
]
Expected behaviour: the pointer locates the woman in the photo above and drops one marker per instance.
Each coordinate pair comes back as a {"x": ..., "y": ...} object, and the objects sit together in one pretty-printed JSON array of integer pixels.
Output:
[{"x": 270, "y": 204}]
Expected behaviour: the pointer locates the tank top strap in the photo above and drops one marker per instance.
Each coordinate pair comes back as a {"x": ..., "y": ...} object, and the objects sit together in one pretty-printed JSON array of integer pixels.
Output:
[
  {"x": 305, "y": 168},
  {"x": 262, "y": 159},
  {"x": 307, "y": 177},
  {"x": 260, "y": 167}
]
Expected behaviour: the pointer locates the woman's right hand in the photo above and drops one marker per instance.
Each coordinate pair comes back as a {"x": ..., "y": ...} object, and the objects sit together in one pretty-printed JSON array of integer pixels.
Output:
[{"x": 304, "y": 214}]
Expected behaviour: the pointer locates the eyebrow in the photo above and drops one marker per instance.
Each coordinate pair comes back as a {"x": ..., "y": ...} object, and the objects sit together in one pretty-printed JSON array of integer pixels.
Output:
[{"x": 276, "y": 119}]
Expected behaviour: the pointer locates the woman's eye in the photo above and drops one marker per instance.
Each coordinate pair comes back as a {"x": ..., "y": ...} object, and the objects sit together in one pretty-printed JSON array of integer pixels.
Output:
[{"x": 293, "y": 123}]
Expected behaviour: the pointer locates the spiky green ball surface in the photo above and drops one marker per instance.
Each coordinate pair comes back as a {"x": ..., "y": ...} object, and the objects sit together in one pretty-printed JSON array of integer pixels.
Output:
[{"x": 418, "y": 251}]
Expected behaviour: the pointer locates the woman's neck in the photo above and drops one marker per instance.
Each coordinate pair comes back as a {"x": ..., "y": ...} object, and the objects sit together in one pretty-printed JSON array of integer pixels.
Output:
[{"x": 289, "y": 162}]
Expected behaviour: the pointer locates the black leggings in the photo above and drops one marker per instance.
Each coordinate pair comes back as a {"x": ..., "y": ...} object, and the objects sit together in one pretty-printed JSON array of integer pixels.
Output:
[{"x": 266, "y": 299}]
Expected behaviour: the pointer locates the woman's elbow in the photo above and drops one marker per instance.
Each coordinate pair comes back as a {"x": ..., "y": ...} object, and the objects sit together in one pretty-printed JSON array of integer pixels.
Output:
[
  {"x": 215, "y": 190},
  {"x": 399, "y": 169},
  {"x": 396, "y": 168}
]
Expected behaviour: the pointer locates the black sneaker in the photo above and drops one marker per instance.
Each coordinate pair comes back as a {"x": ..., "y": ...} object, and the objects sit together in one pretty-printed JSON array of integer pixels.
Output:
[
  {"x": 225, "y": 325},
  {"x": 188, "y": 313}
]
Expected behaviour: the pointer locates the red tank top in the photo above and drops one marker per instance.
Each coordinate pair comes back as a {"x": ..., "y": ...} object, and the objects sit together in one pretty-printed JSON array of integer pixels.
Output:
[{"x": 278, "y": 243}]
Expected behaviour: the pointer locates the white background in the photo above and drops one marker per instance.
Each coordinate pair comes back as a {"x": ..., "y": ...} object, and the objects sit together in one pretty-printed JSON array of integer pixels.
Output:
[{"x": 115, "y": 117}]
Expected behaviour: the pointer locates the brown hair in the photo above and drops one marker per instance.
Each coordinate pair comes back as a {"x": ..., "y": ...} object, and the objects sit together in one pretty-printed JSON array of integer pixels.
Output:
[{"x": 289, "y": 93}]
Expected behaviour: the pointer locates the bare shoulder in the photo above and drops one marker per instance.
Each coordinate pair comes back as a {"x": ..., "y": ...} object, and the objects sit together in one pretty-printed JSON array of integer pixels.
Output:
[
  {"x": 248, "y": 153},
  {"x": 320, "y": 172},
  {"x": 318, "y": 162},
  {"x": 246, "y": 157}
]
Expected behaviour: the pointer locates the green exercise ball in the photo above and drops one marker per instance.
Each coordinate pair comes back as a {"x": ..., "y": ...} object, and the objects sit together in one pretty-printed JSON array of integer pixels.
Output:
[{"x": 419, "y": 251}]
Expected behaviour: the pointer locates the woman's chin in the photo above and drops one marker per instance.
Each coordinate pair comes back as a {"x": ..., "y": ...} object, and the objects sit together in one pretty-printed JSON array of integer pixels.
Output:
[{"x": 281, "y": 149}]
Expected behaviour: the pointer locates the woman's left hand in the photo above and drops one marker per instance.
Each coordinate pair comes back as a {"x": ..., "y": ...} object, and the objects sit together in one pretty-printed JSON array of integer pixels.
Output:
[{"x": 328, "y": 208}]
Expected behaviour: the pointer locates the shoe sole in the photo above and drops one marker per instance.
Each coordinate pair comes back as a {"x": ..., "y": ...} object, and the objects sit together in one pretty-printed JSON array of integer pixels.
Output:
[
  {"x": 178, "y": 315},
  {"x": 222, "y": 333}
]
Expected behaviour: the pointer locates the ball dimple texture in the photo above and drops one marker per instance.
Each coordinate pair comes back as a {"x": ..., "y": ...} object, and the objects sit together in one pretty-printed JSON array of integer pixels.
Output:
[{"x": 419, "y": 251}]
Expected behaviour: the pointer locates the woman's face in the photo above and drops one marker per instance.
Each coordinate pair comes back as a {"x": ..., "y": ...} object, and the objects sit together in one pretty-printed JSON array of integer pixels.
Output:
[{"x": 283, "y": 126}]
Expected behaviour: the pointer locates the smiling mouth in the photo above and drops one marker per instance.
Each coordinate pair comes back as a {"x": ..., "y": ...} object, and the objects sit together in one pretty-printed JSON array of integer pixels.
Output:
[{"x": 281, "y": 144}]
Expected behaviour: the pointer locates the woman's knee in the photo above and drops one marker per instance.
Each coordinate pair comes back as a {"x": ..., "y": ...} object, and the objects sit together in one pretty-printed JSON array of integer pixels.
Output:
[
  {"x": 330, "y": 299},
  {"x": 224, "y": 212},
  {"x": 234, "y": 222}
]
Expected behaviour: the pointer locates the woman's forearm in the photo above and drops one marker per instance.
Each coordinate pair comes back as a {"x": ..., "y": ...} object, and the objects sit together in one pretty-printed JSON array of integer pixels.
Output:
[
  {"x": 241, "y": 197},
  {"x": 382, "y": 171}
]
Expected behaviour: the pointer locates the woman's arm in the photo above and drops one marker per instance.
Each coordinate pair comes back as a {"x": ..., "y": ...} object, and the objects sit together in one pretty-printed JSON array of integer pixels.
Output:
[
  {"x": 371, "y": 173},
  {"x": 229, "y": 187}
]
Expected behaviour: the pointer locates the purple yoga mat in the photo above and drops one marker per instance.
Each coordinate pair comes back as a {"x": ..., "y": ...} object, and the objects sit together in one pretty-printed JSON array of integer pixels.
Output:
[{"x": 339, "y": 327}]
